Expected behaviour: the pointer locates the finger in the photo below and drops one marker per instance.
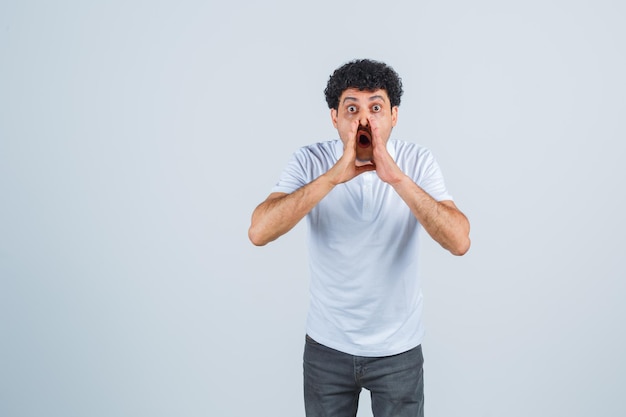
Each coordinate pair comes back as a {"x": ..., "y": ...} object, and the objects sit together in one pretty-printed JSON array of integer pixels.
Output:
[
  {"x": 353, "y": 129},
  {"x": 375, "y": 129},
  {"x": 350, "y": 142}
]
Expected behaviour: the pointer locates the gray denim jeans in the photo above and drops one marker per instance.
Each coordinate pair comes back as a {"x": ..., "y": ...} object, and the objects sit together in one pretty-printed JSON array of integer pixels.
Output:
[{"x": 333, "y": 381}]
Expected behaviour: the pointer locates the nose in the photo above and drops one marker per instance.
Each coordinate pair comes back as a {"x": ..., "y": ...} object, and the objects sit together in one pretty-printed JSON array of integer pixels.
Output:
[{"x": 363, "y": 119}]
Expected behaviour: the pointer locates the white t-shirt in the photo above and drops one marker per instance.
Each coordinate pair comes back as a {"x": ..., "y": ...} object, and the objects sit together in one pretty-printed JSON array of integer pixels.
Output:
[{"x": 365, "y": 288}]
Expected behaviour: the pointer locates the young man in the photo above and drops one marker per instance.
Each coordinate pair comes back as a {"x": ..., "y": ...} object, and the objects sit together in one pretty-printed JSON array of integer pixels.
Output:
[{"x": 366, "y": 199}]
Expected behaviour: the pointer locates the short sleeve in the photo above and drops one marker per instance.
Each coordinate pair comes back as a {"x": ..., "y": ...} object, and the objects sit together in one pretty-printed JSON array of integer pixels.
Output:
[
  {"x": 306, "y": 164},
  {"x": 294, "y": 176},
  {"x": 430, "y": 177}
]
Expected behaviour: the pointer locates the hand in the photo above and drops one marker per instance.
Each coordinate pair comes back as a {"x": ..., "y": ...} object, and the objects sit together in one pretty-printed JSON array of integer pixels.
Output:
[
  {"x": 386, "y": 168},
  {"x": 345, "y": 168}
]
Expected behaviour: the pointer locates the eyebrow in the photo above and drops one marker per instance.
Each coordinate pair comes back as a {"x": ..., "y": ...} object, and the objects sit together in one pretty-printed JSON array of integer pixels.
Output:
[{"x": 372, "y": 98}]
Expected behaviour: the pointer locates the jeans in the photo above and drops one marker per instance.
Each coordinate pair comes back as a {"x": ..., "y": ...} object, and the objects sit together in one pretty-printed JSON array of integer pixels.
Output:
[{"x": 333, "y": 381}]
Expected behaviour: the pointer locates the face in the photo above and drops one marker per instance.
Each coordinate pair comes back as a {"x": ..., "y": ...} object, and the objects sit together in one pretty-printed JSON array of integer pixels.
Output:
[{"x": 364, "y": 106}]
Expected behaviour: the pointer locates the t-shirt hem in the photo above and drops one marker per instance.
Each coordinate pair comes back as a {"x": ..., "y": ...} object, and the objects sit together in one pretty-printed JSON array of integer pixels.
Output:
[{"x": 352, "y": 350}]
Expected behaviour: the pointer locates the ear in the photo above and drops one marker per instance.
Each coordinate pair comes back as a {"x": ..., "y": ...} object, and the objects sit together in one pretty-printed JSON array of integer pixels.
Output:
[
  {"x": 333, "y": 117},
  {"x": 394, "y": 116}
]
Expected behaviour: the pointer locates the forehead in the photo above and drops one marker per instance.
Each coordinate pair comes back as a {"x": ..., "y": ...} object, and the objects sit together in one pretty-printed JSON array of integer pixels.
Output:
[{"x": 354, "y": 94}]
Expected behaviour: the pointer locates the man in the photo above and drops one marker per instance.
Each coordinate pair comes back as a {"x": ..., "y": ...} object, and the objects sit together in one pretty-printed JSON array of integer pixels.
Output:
[{"x": 366, "y": 199}]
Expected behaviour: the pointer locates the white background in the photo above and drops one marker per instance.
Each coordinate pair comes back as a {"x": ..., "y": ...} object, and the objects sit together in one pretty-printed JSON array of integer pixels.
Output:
[{"x": 136, "y": 138}]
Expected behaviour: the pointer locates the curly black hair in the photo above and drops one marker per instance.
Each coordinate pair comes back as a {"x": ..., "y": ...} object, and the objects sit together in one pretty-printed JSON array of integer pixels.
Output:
[{"x": 364, "y": 74}]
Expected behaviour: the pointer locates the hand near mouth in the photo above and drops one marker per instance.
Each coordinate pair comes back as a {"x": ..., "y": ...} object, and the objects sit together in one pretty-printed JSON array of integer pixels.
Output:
[
  {"x": 346, "y": 167},
  {"x": 386, "y": 168}
]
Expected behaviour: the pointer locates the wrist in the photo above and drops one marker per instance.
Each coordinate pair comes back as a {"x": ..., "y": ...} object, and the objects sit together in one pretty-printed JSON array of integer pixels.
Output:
[
  {"x": 400, "y": 181},
  {"x": 328, "y": 180}
]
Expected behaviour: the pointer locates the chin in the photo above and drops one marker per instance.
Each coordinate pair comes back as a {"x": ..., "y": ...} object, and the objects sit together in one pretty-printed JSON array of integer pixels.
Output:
[
  {"x": 363, "y": 161},
  {"x": 365, "y": 156}
]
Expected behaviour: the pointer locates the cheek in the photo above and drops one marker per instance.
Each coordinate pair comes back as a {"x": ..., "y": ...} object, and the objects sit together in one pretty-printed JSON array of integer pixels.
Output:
[{"x": 345, "y": 122}]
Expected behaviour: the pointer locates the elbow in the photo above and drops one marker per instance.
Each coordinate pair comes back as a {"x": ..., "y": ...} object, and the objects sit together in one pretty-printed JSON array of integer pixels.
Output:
[
  {"x": 461, "y": 247},
  {"x": 260, "y": 236},
  {"x": 462, "y": 241},
  {"x": 256, "y": 238}
]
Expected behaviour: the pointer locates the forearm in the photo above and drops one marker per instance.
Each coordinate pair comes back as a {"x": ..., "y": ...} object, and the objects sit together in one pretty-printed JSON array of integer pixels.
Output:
[
  {"x": 281, "y": 212},
  {"x": 443, "y": 221}
]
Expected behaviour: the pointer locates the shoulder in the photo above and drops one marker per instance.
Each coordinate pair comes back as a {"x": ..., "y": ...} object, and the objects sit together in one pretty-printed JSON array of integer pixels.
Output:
[
  {"x": 326, "y": 150},
  {"x": 320, "y": 146},
  {"x": 410, "y": 151},
  {"x": 415, "y": 160}
]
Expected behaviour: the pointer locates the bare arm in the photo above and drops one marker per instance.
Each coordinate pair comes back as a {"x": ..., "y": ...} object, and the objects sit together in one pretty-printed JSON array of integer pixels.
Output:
[
  {"x": 280, "y": 212},
  {"x": 443, "y": 221}
]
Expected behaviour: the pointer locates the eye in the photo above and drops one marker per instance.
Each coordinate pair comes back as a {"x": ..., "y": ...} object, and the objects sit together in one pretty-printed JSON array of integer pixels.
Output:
[
  {"x": 351, "y": 109},
  {"x": 376, "y": 108}
]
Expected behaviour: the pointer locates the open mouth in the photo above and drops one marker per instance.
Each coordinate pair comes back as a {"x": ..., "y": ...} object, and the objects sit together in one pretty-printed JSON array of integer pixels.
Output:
[{"x": 364, "y": 138}]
